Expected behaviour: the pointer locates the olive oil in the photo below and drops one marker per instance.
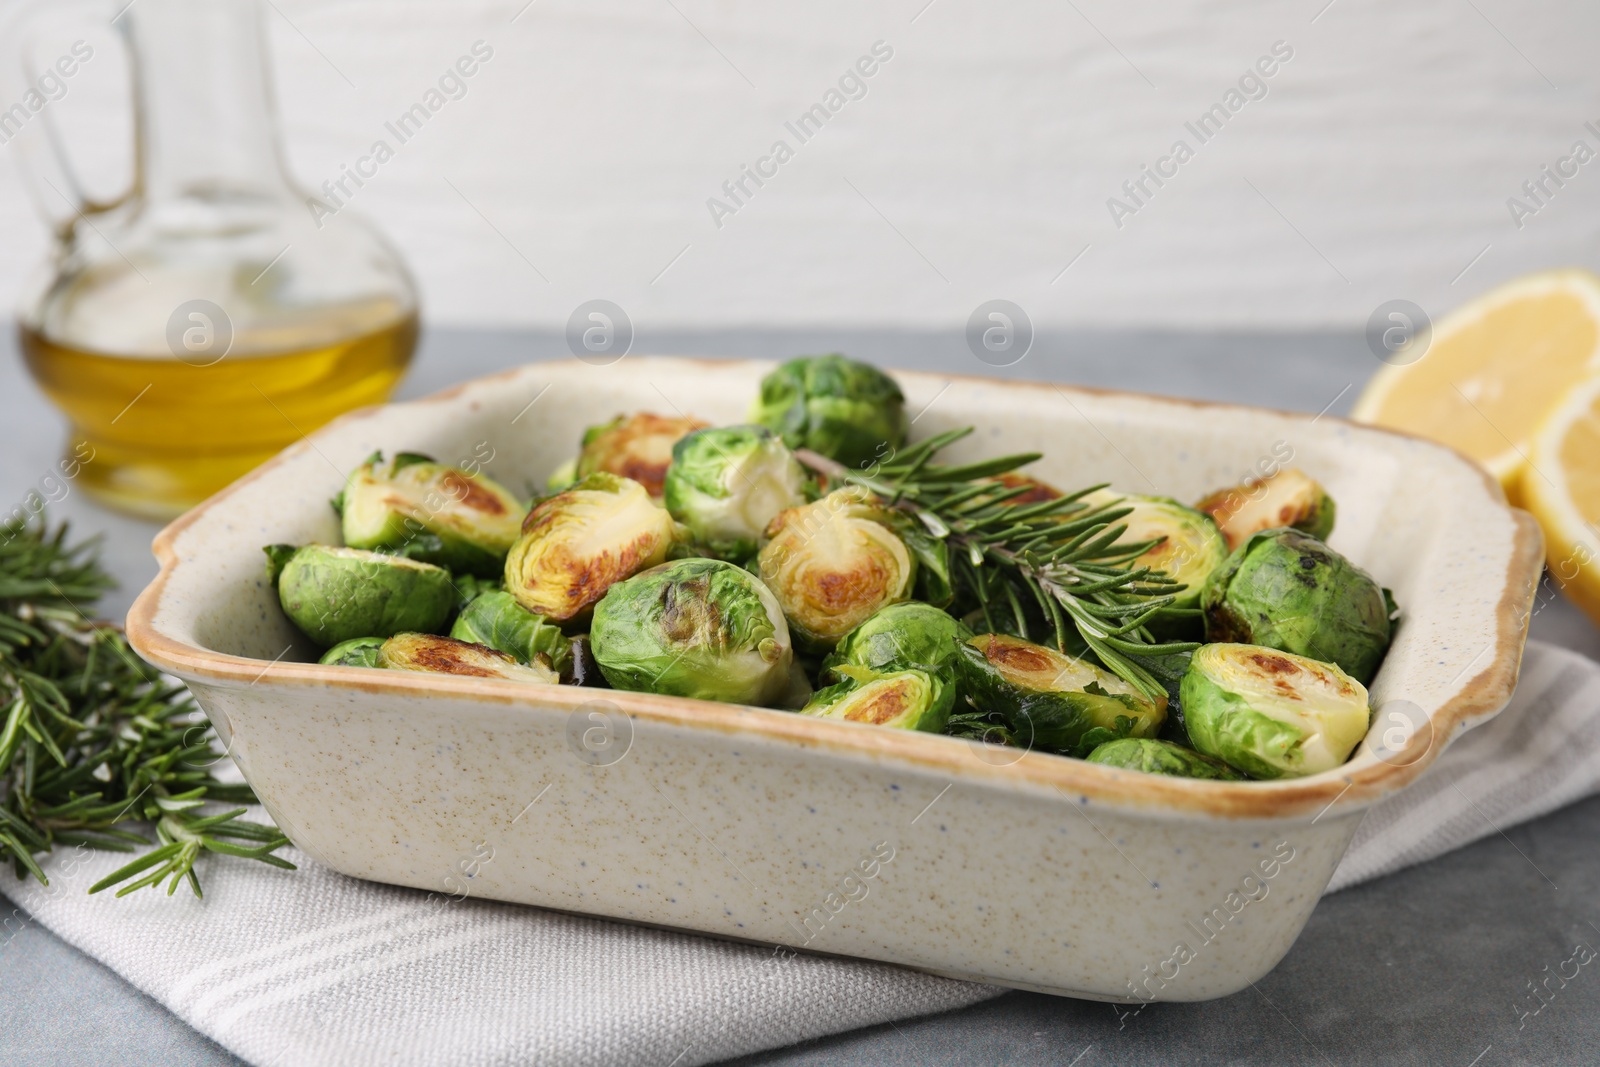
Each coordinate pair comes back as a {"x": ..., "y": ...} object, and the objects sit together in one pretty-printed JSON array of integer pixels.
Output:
[
  {"x": 163, "y": 434},
  {"x": 198, "y": 323}
]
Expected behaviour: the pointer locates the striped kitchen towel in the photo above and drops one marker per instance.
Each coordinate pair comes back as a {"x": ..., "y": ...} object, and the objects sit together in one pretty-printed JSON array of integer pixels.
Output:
[
  {"x": 319, "y": 969},
  {"x": 1540, "y": 754}
]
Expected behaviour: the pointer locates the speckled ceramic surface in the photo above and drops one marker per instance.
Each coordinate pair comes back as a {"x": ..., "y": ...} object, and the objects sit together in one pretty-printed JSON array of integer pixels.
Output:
[{"x": 1032, "y": 871}]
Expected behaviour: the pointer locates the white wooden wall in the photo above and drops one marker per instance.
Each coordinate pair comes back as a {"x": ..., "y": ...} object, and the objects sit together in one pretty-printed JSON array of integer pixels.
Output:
[{"x": 978, "y": 164}]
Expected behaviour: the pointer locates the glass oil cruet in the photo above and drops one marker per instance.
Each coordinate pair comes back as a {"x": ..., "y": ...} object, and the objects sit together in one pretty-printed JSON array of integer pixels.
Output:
[{"x": 211, "y": 315}]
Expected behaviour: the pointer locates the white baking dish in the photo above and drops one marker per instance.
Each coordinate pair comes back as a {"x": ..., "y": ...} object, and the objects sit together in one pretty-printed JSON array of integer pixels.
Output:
[{"x": 1038, "y": 872}]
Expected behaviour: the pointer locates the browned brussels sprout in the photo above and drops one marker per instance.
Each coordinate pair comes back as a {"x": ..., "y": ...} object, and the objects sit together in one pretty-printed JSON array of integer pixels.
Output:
[
  {"x": 634, "y": 446},
  {"x": 578, "y": 543}
]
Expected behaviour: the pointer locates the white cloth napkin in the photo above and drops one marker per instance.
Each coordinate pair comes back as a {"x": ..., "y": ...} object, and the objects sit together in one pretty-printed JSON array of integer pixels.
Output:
[{"x": 312, "y": 968}]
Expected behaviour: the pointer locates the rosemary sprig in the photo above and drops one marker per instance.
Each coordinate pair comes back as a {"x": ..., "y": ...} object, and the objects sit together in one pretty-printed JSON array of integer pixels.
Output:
[
  {"x": 93, "y": 739},
  {"x": 1046, "y": 570}
]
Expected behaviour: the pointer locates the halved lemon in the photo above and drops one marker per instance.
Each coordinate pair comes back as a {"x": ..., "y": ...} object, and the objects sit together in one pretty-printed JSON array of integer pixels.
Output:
[
  {"x": 1495, "y": 367},
  {"x": 1561, "y": 486}
]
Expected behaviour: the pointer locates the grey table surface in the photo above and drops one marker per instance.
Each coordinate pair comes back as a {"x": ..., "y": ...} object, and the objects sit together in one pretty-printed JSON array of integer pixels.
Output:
[{"x": 1426, "y": 966}]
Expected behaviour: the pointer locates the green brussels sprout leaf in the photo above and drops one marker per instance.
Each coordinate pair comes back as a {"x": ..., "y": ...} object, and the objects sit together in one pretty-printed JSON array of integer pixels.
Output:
[
  {"x": 495, "y": 620},
  {"x": 422, "y": 545},
  {"x": 402, "y": 460},
  {"x": 469, "y": 587},
  {"x": 1101, "y": 735},
  {"x": 933, "y": 563},
  {"x": 278, "y": 557},
  {"x": 983, "y": 726},
  {"x": 1168, "y": 670}
]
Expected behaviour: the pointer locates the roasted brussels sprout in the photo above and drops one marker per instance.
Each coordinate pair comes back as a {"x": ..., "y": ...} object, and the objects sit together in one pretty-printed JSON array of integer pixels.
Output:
[
  {"x": 899, "y": 637},
  {"x": 1288, "y": 498},
  {"x": 1193, "y": 546},
  {"x": 1050, "y": 701},
  {"x": 1272, "y": 714},
  {"x": 334, "y": 594},
  {"x": 356, "y": 652},
  {"x": 446, "y": 655},
  {"x": 634, "y": 446},
  {"x": 833, "y": 563},
  {"x": 906, "y": 700},
  {"x": 415, "y": 507},
  {"x": 851, "y": 412},
  {"x": 575, "y": 544},
  {"x": 497, "y": 621},
  {"x": 694, "y": 628},
  {"x": 1162, "y": 757},
  {"x": 1287, "y": 590},
  {"x": 725, "y": 485}
]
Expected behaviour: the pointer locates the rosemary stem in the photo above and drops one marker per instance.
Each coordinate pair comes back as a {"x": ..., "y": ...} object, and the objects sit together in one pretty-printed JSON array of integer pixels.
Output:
[{"x": 1067, "y": 554}]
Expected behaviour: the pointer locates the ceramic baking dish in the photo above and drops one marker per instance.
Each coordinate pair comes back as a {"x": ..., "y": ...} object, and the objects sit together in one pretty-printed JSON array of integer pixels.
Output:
[{"x": 1026, "y": 870}]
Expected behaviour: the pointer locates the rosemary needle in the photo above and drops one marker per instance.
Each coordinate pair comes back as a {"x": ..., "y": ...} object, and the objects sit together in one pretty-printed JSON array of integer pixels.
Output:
[
  {"x": 1046, "y": 571},
  {"x": 93, "y": 741}
]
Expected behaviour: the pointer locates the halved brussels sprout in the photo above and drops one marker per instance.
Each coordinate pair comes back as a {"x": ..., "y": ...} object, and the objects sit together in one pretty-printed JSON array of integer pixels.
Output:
[
  {"x": 906, "y": 700},
  {"x": 356, "y": 652},
  {"x": 1162, "y": 757},
  {"x": 1272, "y": 714},
  {"x": 1288, "y": 498},
  {"x": 833, "y": 563},
  {"x": 1287, "y": 590},
  {"x": 899, "y": 637},
  {"x": 1193, "y": 548},
  {"x": 848, "y": 411},
  {"x": 1050, "y": 701},
  {"x": 726, "y": 485},
  {"x": 445, "y": 655},
  {"x": 634, "y": 446},
  {"x": 334, "y": 594},
  {"x": 429, "y": 511},
  {"x": 496, "y": 620},
  {"x": 575, "y": 544},
  {"x": 694, "y": 628}
]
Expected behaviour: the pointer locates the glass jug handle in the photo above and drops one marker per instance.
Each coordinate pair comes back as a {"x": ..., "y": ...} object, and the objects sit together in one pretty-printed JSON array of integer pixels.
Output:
[{"x": 31, "y": 84}]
